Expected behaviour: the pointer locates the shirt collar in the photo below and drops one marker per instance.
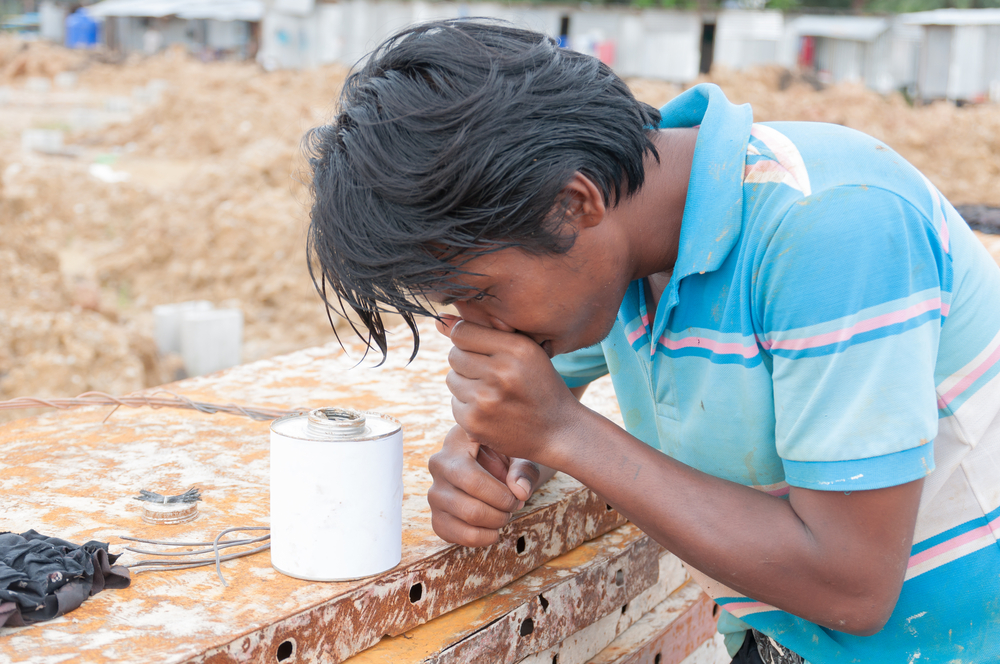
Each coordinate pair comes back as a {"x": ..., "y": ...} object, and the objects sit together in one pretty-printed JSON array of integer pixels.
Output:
[{"x": 713, "y": 212}]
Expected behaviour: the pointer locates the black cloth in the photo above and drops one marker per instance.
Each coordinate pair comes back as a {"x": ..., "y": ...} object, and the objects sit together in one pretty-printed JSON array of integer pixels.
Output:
[
  {"x": 747, "y": 654},
  {"x": 759, "y": 648},
  {"x": 44, "y": 577}
]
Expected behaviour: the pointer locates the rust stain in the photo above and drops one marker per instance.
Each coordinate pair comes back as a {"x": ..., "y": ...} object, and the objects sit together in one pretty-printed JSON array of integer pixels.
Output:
[
  {"x": 534, "y": 612},
  {"x": 668, "y": 633},
  {"x": 584, "y": 644},
  {"x": 69, "y": 475}
]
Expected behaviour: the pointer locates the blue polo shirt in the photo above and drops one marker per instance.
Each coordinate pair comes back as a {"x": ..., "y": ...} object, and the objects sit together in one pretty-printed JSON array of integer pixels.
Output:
[{"x": 833, "y": 324}]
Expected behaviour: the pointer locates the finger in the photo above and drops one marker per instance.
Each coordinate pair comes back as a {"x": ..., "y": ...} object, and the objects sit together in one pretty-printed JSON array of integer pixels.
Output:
[
  {"x": 443, "y": 497},
  {"x": 445, "y": 323},
  {"x": 522, "y": 478},
  {"x": 453, "y": 530},
  {"x": 464, "y": 473},
  {"x": 469, "y": 364},
  {"x": 496, "y": 464},
  {"x": 483, "y": 340},
  {"x": 462, "y": 388}
]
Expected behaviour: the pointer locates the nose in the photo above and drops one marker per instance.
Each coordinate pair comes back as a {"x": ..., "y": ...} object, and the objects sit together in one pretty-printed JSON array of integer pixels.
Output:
[{"x": 474, "y": 313}]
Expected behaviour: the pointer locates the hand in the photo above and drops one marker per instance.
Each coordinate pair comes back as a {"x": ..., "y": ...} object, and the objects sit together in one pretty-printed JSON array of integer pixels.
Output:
[
  {"x": 506, "y": 394},
  {"x": 476, "y": 490}
]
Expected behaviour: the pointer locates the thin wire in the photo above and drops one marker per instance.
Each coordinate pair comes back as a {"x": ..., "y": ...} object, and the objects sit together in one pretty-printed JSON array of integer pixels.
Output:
[
  {"x": 149, "y": 400},
  {"x": 149, "y": 541},
  {"x": 137, "y": 570},
  {"x": 218, "y": 560},
  {"x": 224, "y": 545},
  {"x": 167, "y": 565},
  {"x": 199, "y": 562}
]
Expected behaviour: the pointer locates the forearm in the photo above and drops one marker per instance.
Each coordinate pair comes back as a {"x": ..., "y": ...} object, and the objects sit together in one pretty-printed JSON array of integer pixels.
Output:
[{"x": 759, "y": 545}]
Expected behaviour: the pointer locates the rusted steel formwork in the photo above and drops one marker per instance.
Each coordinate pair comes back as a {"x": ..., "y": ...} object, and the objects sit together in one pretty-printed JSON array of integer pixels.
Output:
[
  {"x": 586, "y": 643},
  {"x": 540, "y": 609},
  {"x": 669, "y": 633},
  {"x": 67, "y": 474}
]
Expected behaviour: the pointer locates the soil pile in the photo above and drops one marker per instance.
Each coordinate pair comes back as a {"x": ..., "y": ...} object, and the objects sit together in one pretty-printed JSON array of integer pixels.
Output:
[
  {"x": 198, "y": 195},
  {"x": 20, "y": 59},
  {"x": 958, "y": 149}
]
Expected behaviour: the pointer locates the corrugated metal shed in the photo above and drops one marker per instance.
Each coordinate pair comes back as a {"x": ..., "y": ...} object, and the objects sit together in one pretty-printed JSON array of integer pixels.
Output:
[
  {"x": 748, "y": 38},
  {"x": 654, "y": 43},
  {"x": 847, "y": 48},
  {"x": 219, "y": 10},
  {"x": 960, "y": 53}
]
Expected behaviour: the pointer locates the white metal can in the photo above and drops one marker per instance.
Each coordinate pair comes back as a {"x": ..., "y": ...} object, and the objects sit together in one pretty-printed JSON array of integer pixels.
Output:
[{"x": 336, "y": 494}]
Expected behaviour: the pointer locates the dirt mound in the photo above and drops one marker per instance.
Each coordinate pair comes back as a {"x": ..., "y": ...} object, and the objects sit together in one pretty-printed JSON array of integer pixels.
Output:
[
  {"x": 20, "y": 59},
  {"x": 958, "y": 149},
  {"x": 203, "y": 199}
]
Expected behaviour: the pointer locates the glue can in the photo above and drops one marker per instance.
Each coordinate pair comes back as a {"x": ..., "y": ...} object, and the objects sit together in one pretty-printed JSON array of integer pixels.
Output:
[{"x": 336, "y": 494}]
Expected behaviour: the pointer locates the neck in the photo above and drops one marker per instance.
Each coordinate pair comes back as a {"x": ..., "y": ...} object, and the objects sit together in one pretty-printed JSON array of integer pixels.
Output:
[{"x": 654, "y": 214}]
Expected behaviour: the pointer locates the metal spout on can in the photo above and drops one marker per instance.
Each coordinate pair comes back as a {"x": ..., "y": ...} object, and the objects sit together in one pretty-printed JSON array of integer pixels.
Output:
[{"x": 335, "y": 423}]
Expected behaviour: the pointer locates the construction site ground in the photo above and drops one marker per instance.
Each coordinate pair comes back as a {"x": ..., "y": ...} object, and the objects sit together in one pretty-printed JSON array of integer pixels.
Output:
[{"x": 164, "y": 179}]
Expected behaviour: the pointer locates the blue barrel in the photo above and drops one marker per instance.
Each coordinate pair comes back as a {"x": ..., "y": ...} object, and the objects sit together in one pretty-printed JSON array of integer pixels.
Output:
[{"x": 81, "y": 30}]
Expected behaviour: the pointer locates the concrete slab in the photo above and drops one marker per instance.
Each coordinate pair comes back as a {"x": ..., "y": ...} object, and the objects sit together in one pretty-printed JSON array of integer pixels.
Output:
[{"x": 71, "y": 474}]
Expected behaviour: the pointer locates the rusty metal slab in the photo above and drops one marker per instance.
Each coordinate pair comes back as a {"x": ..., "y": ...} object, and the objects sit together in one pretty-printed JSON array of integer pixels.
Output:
[
  {"x": 541, "y": 608},
  {"x": 69, "y": 474},
  {"x": 669, "y": 633},
  {"x": 581, "y": 646}
]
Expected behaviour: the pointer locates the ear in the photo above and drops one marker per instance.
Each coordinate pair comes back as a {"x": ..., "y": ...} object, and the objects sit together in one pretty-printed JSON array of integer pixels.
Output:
[{"x": 583, "y": 201}]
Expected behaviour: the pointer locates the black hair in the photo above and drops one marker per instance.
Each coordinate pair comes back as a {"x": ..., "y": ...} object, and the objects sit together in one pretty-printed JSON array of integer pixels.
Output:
[{"x": 454, "y": 138}]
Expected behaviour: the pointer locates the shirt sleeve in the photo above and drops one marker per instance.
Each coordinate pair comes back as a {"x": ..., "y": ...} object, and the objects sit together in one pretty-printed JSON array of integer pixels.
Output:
[
  {"x": 581, "y": 366},
  {"x": 849, "y": 297}
]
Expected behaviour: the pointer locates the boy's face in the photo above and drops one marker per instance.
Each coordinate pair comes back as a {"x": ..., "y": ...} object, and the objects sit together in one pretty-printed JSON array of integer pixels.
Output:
[{"x": 563, "y": 302}]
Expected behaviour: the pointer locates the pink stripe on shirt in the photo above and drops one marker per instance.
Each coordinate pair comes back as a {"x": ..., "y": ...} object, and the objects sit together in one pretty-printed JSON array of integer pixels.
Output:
[
  {"x": 710, "y": 344},
  {"x": 836, "y": 336},
  {"x": 954, "y": 543},
  {"x": 963, "y": 385},
  {"x": 742, "y": 607}
]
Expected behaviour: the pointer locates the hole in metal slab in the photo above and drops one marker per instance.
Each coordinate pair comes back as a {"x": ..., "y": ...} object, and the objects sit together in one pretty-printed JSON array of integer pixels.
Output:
[
  {"x": 555, "y": 659},
  {"x": 620, "y": 578},
  {"x": 715, "y": 611},
  {"x": 609, "y": 507},
  {"x": 527, "y": 627},
  {"x": 519, "y": 547},
  {"x": 658, "y": 658},
  {"x": 285, "y": 650},
  {"x": 416, "y": 592},
  {"x": 545, "y": 603},
  {"x": 624, "y": 608}
]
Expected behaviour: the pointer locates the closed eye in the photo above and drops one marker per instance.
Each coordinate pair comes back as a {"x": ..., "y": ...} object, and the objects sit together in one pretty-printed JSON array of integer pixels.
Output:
[{"x": 478, "y": 297}]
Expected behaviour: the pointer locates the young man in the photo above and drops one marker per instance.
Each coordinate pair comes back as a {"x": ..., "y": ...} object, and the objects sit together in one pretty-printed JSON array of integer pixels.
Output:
[{"x": 802, "y": 333}]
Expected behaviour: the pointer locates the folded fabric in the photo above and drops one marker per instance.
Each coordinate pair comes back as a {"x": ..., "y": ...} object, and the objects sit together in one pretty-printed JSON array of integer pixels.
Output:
[{"x": 44, "y": 577}]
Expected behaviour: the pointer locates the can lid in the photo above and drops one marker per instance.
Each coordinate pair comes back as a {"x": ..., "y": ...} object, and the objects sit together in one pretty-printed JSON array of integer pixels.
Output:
[{"x": 336, "y": 424}]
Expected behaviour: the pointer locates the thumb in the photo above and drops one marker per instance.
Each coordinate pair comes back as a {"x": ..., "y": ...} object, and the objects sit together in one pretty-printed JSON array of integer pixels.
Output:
[{"x": 522, "y": 478}]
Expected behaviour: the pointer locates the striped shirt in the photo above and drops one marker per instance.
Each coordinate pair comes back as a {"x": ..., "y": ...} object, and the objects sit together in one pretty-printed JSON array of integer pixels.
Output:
[{"x": 833, "y": 324}]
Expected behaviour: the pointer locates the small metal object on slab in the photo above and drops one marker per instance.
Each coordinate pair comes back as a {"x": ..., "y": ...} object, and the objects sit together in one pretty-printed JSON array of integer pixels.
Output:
[
  {"x": 168, "y": 514},
  {"x": 73, "y": 475}
]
